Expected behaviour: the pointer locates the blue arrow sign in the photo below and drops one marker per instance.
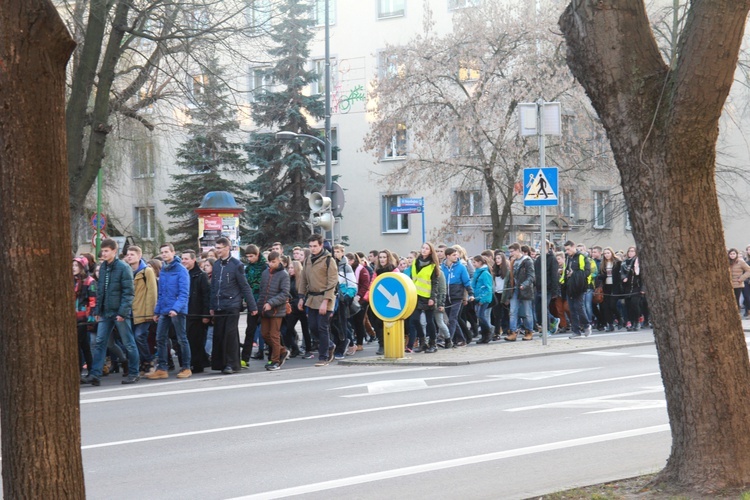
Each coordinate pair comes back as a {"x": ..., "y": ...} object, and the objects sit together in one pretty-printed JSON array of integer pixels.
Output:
[
  {"x": 389, "y": 298},
  {"x": 540, "y": 187}
]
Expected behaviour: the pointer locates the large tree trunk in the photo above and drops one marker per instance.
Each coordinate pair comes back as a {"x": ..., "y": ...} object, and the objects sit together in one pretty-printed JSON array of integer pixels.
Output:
[
  {"x": 663, "y": 127},
  {"x": 41, "y": 439}
]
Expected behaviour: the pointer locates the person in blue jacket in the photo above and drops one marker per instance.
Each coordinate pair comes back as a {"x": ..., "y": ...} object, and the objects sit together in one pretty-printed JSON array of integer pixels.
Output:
[
  {"x": 459, "y": 290},
  {"x": 171, "y": 307},
  {"x": 481, "y": 282}
]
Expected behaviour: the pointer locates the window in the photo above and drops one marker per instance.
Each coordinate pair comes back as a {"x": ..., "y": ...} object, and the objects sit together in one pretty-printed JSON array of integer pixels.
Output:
[
  {"x": 388, "y": 66},
  {"x": 259, "y": 14},
  {"x": 396, "y": 148},
  {"x": 393, "y": 223},
  {"x": 468, "y": 203},
  {"x": 260, "y": 80},
  {"x": 319, "y": 68},
  {"x": 391, "y": 8},
  {"x": 320, "y": 12},
  {"x": 601, "y": 209},
  {"x": 460, "y": 4},
  {"x": 143, "y": 165},
  {"x": 199, "y": 85},
  {"x": 146, "y": 222},
  {"x": 568, "y": 206},
  {"x": 462, "y": 143},
  {"x": 334, "y": 142}
]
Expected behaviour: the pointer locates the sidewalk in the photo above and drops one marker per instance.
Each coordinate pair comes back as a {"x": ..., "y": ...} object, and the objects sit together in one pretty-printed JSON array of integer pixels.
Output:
[{"x": 501, "y": 350}]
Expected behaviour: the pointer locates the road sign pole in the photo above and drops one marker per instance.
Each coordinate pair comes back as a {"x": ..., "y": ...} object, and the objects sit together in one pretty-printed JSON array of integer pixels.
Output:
[
  {"x": 393, "y": 339},
  {"x": 543, "y": 221},
  {"x": 423, "y": 238}
]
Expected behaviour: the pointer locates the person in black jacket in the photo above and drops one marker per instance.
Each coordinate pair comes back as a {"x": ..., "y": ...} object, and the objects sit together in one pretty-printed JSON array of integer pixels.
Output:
[
  {"x": 575, "y": 280},
  {"x": 228, "y": 286},
  {"x": 553, "y": 285},
  {"x": 198, "y": 311}
]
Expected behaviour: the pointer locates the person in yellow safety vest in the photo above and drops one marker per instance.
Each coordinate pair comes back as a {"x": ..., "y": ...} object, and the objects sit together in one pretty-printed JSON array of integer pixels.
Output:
[
  {"x": 576, "y": 283},
  {"x": 425, "y": 270}
]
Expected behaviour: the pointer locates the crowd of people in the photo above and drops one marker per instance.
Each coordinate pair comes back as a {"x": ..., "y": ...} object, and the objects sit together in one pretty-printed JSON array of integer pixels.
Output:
[{"x": 132, "y": 314}]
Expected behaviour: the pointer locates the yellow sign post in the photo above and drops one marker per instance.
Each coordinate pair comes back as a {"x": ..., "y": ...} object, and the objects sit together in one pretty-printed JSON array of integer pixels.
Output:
[{"x": 393, "y": 298}]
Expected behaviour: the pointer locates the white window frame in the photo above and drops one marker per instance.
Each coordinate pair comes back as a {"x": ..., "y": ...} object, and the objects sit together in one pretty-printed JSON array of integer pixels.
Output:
[
  {"x": 319, "y": 12},
  {"x": 391, "y": 151},
  {"x": 265, "y": 80},
  {"x": 259, "y": 14},
  {"x": 318, "y": 87},
  {"x": 474, "y": 202},
  {"x": 334, "y": 143},
  {"x": 567, "y": 203},
  {"x": 388, "y": 9},
  {"x": 401, "y": 220},
  {"x": 144, "y": 167},
  {"x": 150, "y": 230},
  {"x": 388, "y": 65},
  {"x": 601, "y": 209}
]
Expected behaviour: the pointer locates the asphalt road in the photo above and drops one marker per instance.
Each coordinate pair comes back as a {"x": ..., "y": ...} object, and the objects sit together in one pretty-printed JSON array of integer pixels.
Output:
[{"x": 510, "y": 429}]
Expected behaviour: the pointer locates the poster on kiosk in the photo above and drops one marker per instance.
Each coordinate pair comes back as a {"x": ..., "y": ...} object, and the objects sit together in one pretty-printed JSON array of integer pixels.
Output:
[{"x": 219, "y": 215}]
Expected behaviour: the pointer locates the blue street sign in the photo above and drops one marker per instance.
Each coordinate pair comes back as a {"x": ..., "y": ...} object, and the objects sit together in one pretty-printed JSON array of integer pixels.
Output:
[
  {"x": 410, "y": 209},
  {"x": 540, "y": 187},
  {"x": 393, "y": 296},
  {"x": 412, "y": 202},
  {"x": 98, "y": 221}
]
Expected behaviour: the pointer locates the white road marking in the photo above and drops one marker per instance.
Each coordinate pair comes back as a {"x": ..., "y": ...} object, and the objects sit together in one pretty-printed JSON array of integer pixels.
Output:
[
  {"x": 390, "y": 386},
  {"x": 240, "y": 386},
  {"x": 646, "y": 356},
  {"x": 602, "y": 353},
  {"x": 358, "y": 412},
  {"x": 449, "y": 464},
  {"x": 607, "y": 402}
]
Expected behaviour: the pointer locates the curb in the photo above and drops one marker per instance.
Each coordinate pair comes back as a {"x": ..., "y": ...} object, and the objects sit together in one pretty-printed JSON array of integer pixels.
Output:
[{"x": 402, "y": 362}]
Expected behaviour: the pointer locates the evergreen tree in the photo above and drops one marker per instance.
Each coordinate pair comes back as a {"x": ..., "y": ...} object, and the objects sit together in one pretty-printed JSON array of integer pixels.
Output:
[
  {"x": 211, "y": 161},
  {"x": 285, "y": 174}
]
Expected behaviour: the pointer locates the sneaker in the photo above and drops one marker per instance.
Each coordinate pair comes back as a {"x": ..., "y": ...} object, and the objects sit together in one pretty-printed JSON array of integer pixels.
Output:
[
  {"x": 338, "y": 357},
  {"x": 360, "y": 348},
  {"x": 132, "y": 379},
  {"x": 380, "y": 352},
  {"x": 576, "y": 336},
  {"x": 430, "y": 349},
  {"x": 272, "y": 367},
  {"x": 331, "y": 353},
  {"x": 351, "y": 351},
  {"x": 408, "y": 350},
  {"x": 185, "y": 373},
  {"x": 553, "y": 326},
  {"x": 347, "y": 343},
  {"x": 448, "y": 344},
  {"x": 441, "y": 344},
  {"x": 227, "y": 370},
  {"x": 91, "y": 380},
  {"x": 243, "y": 364},
  {"x": 308, "y": 355},
  {"x": 321, "y": 362},
  {"x": 283, "y": 358},
  {"x": 158, "y": 374},
  {"x": 460, "y": 343},
  {"x": 587, "y": 331}
]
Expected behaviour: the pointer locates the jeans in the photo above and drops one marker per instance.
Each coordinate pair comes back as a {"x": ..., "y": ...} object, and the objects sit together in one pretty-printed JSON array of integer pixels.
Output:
[
  {"x": 103, "y": 332},
  {"x": 320, "y": 325},
  {"x": 209, "y": 340},
  {"x": 483, "y": 311},
  {"x": 442, "y": 328},
  {"x": 140, "y": 331},
  {"x": 453, "y": 311},
  {"x": 518, "y": 306},
  {"x": 588, "y": 305},
  {"x": 416, "y": 322},
  {"x": 162, "y": 338},
  {"x": 578, "y": 319}
]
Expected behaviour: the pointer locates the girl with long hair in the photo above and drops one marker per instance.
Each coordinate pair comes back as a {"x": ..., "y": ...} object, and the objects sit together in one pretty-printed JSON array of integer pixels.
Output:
[
  {"x": 609, "y": 279},
  {"x": 424, "y": 272}
]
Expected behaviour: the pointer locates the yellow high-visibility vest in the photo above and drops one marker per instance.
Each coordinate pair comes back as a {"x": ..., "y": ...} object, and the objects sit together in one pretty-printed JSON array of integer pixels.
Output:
[{"x": 422, "y": 279}]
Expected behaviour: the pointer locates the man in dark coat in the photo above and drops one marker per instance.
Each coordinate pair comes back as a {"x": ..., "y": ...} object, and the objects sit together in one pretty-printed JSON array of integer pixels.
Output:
[
  {"x": 228, "y": 287},
  {"x": 198, "y": 311},
  {"x": 553, "y": 285}
]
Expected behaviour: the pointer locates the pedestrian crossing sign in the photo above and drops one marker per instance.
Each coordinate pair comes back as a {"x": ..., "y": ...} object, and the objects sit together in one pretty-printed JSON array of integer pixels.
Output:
[{"x": 540, "y": 187}]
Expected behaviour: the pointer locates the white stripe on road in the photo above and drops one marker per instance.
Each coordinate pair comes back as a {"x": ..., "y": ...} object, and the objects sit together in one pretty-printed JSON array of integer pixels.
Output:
[
  {"x": 240, "y": 386},
  {"x": 356, "y": 412},
  {"x": 647, "y": 356},
  {"x": 448, "y": 464},
  {"x": 577, "y": 403},
  {"x": 603, "y": 353}
]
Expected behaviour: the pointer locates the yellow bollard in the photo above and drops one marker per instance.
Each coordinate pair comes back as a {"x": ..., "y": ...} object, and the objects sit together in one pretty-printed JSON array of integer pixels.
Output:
[{"x": 393, "y": 338}]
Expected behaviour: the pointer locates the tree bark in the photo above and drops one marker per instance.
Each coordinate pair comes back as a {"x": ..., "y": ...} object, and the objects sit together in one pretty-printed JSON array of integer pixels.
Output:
[
  {"x": 41, "y": 439},
  {"x": 663, "y": 125}
]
